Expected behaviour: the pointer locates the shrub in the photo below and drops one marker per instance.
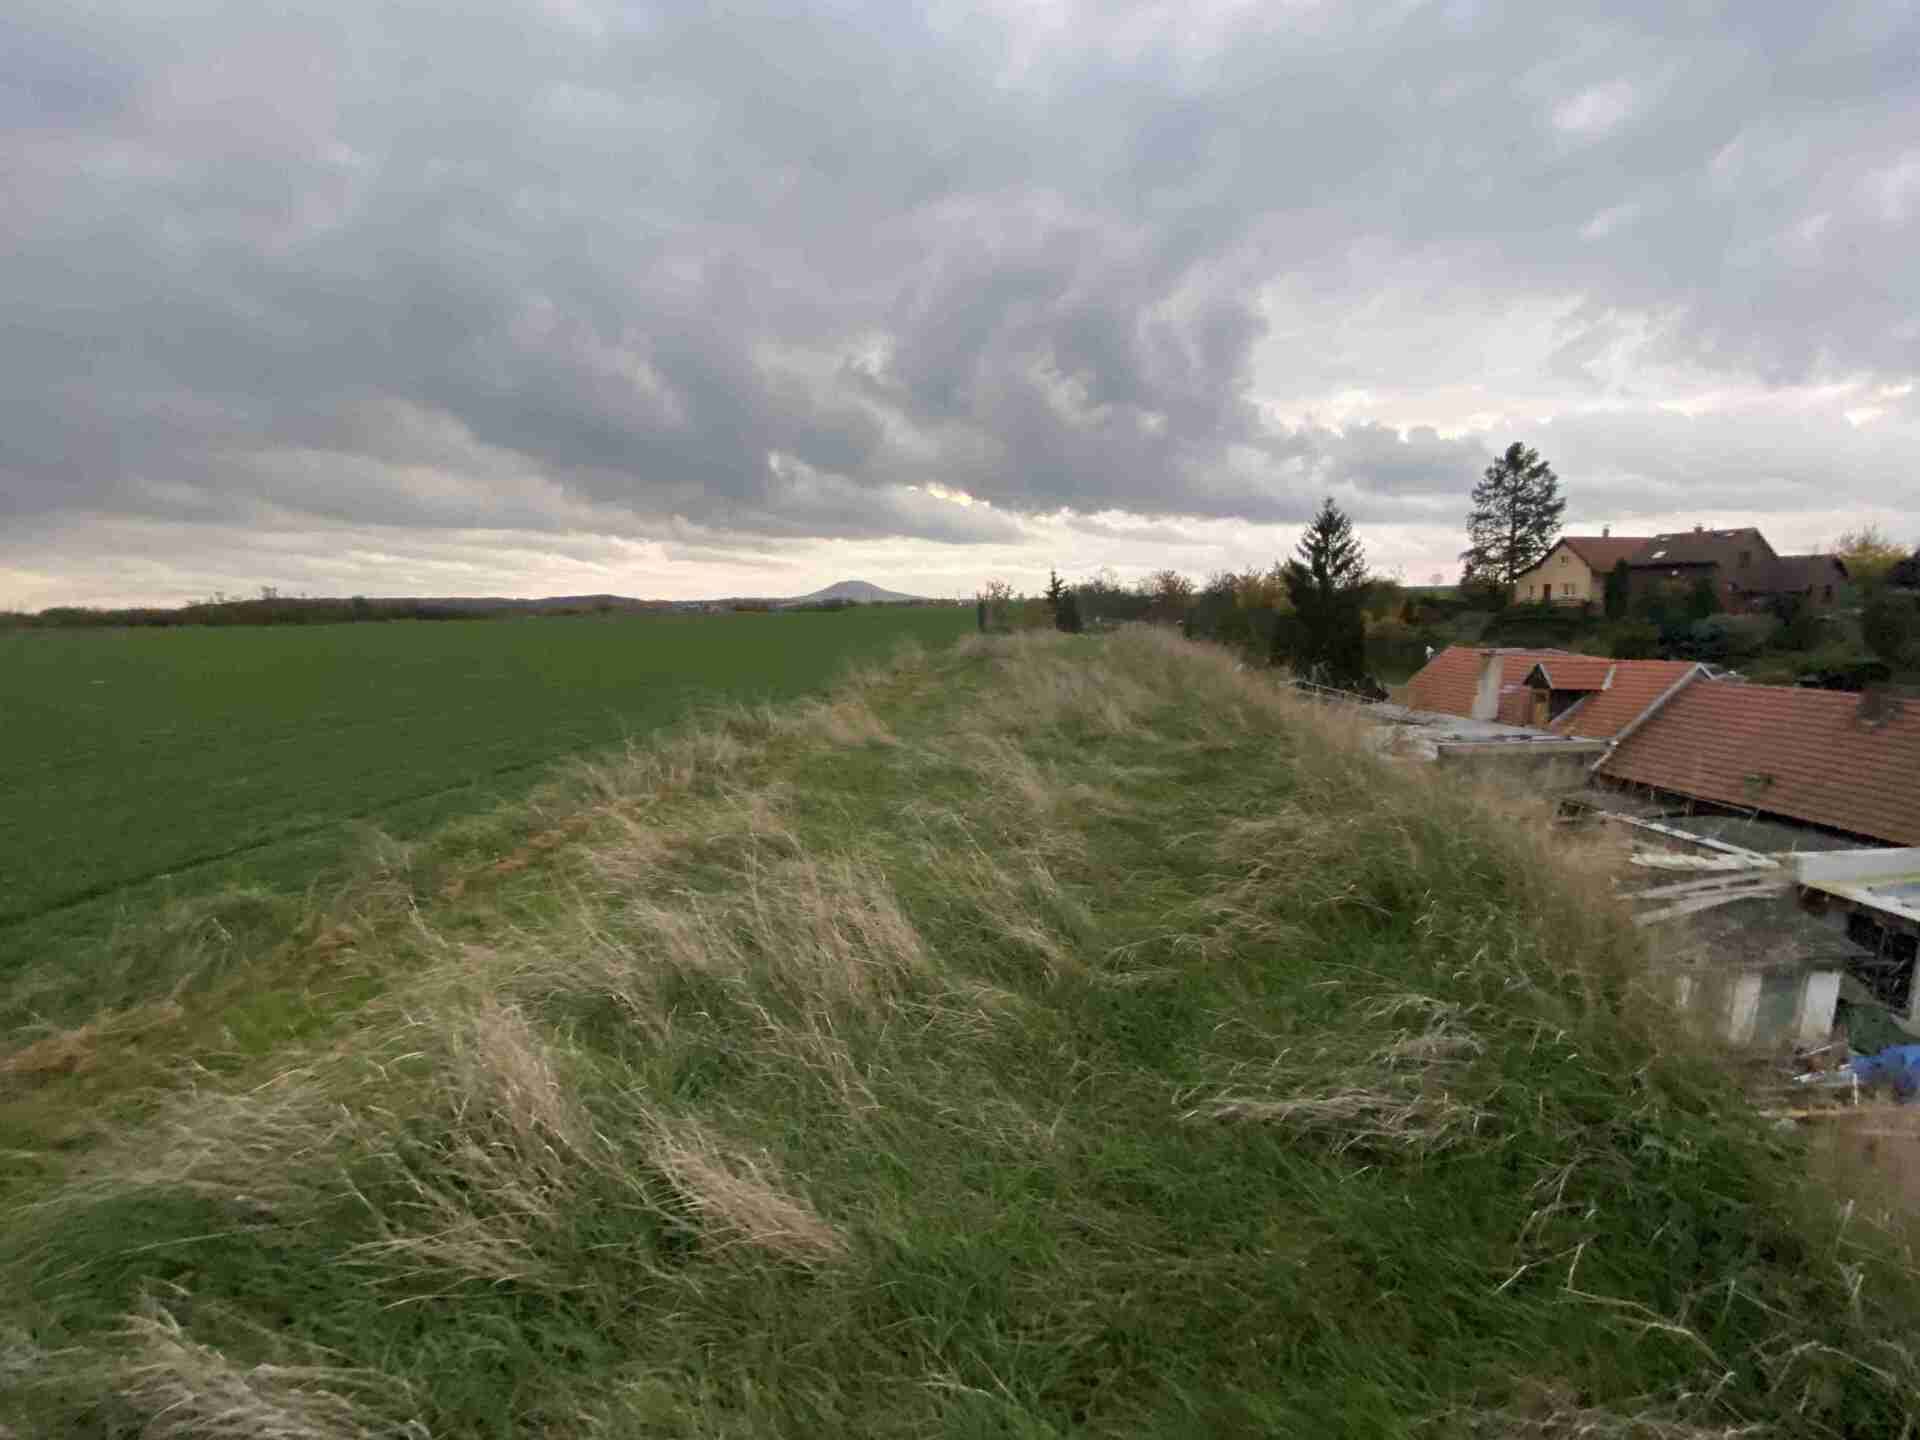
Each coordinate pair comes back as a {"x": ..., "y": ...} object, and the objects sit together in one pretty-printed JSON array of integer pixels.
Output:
[
  {"x": 1801, "y": 625},
  {"x": 1394, "y": 647},
  {"x": 1619, "y": 590},
  {"x": 1488, "y": 595},
  {"x": 1747, "y": 635},
  {"x": 1031, "y": 612},
  {"x": 1890, "y": 625},
  {"x": 1840, "y": 666},
  {"x": 1726, "y": 638},
  {"x": 1470, "y": 626},
  {"x": 1636, "y": 640},
  {"x": 1288, "y": 641},
  {"x": 1702, "y": 599},
  {"x": 1540, "y": 626}
]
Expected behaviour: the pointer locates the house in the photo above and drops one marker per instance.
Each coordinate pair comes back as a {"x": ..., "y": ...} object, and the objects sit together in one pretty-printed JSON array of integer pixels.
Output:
[
  {"x": 1846, "y": 762},
  {"x": 1815, "y": 579},
  {"x": 1742, "y": 569},
  {"x": 1574, "y": 571},
  {"x": 1593, "y": 698}
]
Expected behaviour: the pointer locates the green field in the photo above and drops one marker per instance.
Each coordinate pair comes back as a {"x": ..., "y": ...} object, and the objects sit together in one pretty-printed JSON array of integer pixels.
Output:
[{"x": 143, "y": 764}]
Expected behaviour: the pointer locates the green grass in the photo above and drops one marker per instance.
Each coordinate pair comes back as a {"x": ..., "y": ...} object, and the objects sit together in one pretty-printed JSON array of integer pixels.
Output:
[
  {"x": 1052, "y": 1037},
  {"x": 143, "y": 765}
]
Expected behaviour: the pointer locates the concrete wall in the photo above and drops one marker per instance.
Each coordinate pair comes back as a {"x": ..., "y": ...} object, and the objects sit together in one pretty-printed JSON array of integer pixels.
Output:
[
  {"x": 1822, "y": 998},
  {"x": 1772, "y": 1008},
  {"x": 1543, "y": 765}
]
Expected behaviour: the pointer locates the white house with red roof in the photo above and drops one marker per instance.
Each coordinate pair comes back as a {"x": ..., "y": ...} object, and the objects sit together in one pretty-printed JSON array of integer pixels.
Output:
[{"x": 1574, "y": 571}]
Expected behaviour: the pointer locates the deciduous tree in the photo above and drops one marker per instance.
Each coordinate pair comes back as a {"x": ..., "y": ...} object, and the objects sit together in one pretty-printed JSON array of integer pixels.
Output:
[
  {"x": 1890, "y": 624},
  {"x": 1169, "y": 593},
  {"x": 1869, "y": 555}
]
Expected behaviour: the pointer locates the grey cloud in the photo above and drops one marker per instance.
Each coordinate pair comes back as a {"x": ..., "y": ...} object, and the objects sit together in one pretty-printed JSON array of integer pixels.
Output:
[
  {"x": 1653, "y": 461},
  {"x": 768, "y": 271}
]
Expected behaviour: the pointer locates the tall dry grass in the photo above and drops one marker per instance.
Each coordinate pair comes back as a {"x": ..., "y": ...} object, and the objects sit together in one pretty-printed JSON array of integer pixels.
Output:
[{"x": 1057, "y": 1036}]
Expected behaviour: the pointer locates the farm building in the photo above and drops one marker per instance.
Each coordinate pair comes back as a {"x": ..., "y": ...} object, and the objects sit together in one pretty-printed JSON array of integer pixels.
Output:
[
  {"x": 1598, "y": 699},
  {"x": 1587, "y": 697},
  {"x": 1822, "y": 757},
  {"x": 1478, "y": 683}
]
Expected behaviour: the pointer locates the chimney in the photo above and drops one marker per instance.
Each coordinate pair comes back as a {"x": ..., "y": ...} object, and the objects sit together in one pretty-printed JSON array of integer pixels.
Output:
[
  {"x": 1605, "y": 531},
  {"x": 1878, "y": 706},
  {"x": 1699, "y": 529}
]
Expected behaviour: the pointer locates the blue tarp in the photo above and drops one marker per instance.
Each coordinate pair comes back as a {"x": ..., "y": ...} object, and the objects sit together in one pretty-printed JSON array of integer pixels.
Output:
[{"x": 1897, "y": 1064}]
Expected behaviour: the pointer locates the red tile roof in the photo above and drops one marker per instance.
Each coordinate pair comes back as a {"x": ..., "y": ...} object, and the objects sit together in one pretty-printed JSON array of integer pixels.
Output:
[
  {"x": 1450, "y": 682},
  {"x": 1806, "y": 754},
  {"x": 1603, "y": 552},
  {"x": 1704, "y": 547},
  {"x": 1515, "y": 707},
  {"x": 1633, "y": 686}
]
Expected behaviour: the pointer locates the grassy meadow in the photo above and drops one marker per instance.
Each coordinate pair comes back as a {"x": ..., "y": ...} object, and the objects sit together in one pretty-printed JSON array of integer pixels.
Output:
[
  {"x": 145, "y": 765},
  {"x": 1044, "y": 1036}
]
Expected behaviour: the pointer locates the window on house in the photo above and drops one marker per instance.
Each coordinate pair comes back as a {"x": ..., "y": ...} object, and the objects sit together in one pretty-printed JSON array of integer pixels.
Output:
[
  {"x": 1746, "y": 558},
  {"x": 1826, "y": 592}
]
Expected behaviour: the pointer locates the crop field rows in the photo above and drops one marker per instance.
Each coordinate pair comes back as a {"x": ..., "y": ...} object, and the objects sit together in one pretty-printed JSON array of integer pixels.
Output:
[{"x": 146, "y": 757}]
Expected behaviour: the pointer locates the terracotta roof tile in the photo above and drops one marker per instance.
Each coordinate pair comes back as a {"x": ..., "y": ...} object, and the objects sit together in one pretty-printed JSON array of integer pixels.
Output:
[
  {"x": 1635, "y": 685},
  {"x": 1805, "y": 754},
  {"x": 1603, "y": 552},
  {"x": 1516, "y": 706},
  {"x": 1450, "y": 682}
]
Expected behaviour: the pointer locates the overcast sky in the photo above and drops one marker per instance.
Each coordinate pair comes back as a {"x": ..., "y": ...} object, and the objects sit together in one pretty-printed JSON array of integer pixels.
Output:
[{"x": 502, "y": 298}]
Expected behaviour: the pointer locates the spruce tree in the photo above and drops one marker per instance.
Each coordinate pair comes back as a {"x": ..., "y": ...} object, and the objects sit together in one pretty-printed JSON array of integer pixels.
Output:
[
  {"x": 1066, "y": 615},
  {"x": 1056, "y": 588},
  {"x": 1515, "y": 517},
  {"x": 1327, "y": 582}
]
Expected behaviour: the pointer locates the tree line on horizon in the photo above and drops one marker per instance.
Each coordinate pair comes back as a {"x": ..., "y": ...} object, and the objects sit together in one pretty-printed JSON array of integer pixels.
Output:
[
  {"x": 270, "y": 607},
  {"x": 1323, "y": 614},
  {"x": 1308, "y": 612}
]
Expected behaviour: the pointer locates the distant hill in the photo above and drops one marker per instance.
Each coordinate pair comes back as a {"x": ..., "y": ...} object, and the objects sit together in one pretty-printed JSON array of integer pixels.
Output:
[
  {"x": 273, "y": 609},
  {"x": 858, "y": 591}
]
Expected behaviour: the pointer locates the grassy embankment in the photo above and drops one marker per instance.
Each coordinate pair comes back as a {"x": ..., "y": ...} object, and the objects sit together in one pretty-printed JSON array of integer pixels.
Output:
[
  {"x": 144, "y": 765},
  {"x": 1053, "y": 1037}
]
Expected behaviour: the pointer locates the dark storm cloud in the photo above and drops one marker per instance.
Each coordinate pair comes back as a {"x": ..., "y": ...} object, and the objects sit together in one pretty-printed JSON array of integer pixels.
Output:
[{"x": 775, "y": 271}]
